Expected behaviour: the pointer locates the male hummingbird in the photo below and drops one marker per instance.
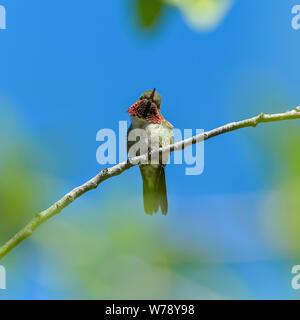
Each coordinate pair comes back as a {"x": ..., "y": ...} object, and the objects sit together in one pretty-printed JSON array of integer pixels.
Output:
[{"x": 145, "y": 114}]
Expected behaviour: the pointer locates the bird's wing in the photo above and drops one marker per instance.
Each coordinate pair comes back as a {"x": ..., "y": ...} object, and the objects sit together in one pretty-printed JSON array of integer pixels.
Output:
[{"x": 167, "y": 124}]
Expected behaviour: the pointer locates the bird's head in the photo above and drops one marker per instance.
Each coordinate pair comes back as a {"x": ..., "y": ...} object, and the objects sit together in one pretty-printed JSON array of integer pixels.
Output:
[
  {"x": 152, "y": 95},
  {"x": 147, "y": 107}
]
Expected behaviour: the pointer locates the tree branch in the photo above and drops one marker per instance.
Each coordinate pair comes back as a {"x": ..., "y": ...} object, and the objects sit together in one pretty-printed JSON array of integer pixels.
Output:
[{"x": 107, "y": 173}]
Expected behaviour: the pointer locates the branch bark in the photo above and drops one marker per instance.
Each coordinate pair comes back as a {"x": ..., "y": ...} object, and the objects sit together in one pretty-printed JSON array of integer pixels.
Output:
[{"x": 107, "y": 173}]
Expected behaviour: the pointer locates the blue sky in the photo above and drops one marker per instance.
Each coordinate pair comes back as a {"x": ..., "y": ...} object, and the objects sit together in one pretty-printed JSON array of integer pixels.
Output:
[{"x": 69, "y": 69}]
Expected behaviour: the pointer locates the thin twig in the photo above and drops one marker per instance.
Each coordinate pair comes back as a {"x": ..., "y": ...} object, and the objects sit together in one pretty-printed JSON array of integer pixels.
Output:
[{"x": 107, "y": 173}]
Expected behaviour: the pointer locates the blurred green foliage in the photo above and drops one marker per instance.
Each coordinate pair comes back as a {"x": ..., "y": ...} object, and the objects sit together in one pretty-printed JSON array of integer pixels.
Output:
[
  {"x": 149, "y": 12},
  {"x": 20, "y": 194},
  {"x": 199, "y": 14},
  {"x": 122, "y": 257},
  {"x": 287, "y": 201}
]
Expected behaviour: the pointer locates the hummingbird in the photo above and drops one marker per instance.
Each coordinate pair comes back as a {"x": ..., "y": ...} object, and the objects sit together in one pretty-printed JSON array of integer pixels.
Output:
[{"x": 146, "y": 114}]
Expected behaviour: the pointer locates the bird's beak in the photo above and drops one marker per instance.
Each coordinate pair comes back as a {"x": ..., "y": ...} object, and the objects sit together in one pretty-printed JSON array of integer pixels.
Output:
[{"x": 152, "y": 94}]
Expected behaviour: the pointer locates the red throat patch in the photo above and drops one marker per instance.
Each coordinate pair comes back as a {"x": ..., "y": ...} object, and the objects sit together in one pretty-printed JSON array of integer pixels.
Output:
[{"x": 145, "y": 110}]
